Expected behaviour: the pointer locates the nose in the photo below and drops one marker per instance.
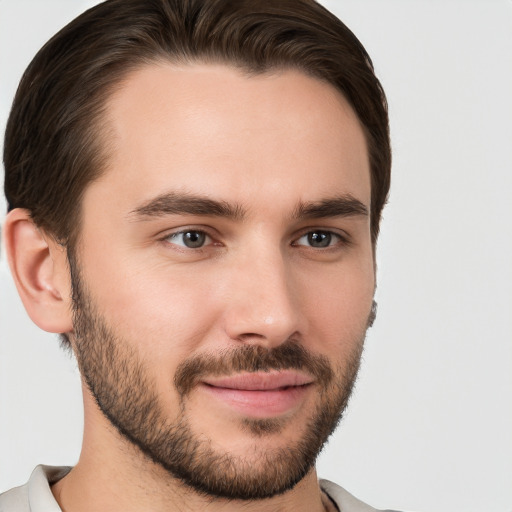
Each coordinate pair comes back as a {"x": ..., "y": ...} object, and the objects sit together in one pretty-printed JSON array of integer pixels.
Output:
[{"x": 262, "y": 306}]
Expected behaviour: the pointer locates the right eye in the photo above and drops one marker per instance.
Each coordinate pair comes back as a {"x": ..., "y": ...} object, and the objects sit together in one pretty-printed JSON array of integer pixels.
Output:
[{"x": 190, "y": 238}]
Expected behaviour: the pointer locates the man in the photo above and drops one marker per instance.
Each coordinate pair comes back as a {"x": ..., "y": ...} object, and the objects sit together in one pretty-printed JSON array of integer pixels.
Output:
[{"x": 194, "y": 192}]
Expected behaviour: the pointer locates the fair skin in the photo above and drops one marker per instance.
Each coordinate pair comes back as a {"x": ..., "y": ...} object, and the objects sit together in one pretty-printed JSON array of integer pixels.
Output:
[{"x": 264, "y": 145}]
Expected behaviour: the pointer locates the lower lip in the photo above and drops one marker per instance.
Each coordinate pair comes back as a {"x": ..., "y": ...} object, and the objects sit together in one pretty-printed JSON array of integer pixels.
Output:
[{"x": 260, "y": 404}]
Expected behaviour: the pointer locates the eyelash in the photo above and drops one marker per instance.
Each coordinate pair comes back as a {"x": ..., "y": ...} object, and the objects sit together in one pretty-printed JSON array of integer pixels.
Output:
[
  {"x": 176, "y": 234},
  {"x": 340, "y": 239}
]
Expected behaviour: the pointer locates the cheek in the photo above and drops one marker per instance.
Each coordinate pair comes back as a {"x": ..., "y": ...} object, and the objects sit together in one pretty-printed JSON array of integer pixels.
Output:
[
  {"x": 339, "y": 305},
  {"x": 165, "y": 314}
]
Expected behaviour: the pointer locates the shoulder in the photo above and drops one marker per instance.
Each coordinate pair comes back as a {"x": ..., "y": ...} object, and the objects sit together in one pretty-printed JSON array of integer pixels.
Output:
[
  {"x": 15, "y": 500},
  {"x": 345, "y": 501},
  {"x": 35, "y": 495}
]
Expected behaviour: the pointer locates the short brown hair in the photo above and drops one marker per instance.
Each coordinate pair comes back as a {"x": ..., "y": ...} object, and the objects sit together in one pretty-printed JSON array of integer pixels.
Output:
[{"x": 53, "y": 143}]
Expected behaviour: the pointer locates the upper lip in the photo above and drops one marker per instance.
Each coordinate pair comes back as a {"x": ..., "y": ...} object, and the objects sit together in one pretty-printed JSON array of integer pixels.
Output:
[{"x": 260, "y": 381}]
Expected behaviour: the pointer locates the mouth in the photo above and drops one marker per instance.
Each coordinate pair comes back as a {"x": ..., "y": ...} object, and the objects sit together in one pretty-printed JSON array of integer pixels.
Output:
[{"x": 260, "y": 395}]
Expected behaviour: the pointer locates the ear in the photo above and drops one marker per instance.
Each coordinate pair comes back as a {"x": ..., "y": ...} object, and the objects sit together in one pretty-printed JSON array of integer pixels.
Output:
[{"x": 40, "y": 270}]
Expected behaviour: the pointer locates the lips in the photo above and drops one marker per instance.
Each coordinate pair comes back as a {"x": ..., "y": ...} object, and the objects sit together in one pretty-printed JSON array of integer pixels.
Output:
[
  {"x": 262, "y": 394},
  {"x": 262, "y": 381}
]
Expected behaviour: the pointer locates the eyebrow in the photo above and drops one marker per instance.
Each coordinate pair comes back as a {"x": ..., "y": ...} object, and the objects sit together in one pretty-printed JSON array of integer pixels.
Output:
[
  {"x": 339, "y": 206},
  {"x": 174, "y": 203}
]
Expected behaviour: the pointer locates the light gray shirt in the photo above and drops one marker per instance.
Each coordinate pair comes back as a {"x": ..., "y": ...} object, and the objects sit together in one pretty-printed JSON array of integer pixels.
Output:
[{"x": 36, "y": 495}]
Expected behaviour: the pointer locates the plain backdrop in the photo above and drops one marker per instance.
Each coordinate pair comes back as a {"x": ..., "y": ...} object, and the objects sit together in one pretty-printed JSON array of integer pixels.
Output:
[{"x": 430, "y": 425}]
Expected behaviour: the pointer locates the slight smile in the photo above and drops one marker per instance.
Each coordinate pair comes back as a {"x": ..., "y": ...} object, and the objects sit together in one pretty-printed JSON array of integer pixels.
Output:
[{"x": 260, "y": 394}]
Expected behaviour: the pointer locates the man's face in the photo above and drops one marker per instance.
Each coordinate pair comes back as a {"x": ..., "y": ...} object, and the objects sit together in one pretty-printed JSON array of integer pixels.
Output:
[{"x": 224, "y": 274}]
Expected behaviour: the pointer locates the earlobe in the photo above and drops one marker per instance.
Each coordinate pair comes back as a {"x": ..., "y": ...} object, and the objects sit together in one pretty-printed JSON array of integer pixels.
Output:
[{"x": 40, "y": 270}]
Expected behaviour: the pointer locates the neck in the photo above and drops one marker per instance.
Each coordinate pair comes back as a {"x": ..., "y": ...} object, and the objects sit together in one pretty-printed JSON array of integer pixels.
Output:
[{"x": 114, "y": 489}]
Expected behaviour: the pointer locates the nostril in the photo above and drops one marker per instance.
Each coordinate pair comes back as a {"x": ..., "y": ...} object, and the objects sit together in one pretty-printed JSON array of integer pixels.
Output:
[{"x": 250, "y": 335}]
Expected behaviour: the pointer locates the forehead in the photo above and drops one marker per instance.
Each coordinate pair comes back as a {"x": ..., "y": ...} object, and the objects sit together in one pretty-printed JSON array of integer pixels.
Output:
[{"x": 214, "y": 130}]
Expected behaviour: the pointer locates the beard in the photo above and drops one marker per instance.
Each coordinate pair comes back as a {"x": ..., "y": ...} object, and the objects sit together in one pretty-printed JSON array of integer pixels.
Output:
[{"x": 126, "y": 393}]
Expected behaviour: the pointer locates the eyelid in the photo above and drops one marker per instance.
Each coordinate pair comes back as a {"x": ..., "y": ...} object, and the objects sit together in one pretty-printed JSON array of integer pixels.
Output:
[
  {"x": 343, "y": 237},
  {"x": 167, "y": 235}
]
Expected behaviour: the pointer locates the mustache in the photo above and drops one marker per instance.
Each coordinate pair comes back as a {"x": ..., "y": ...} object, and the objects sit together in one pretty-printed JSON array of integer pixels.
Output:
[{"x": 290, "y": 355}]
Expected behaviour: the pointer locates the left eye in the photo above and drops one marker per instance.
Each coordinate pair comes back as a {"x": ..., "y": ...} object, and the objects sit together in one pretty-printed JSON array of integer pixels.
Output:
[
  {"x": 191, "y": 239},
  {"x": 319, "y": 239}
]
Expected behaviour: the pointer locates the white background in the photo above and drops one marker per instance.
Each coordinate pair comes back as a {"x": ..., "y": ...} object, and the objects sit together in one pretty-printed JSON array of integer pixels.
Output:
[{"x": 430, "y": 425}]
